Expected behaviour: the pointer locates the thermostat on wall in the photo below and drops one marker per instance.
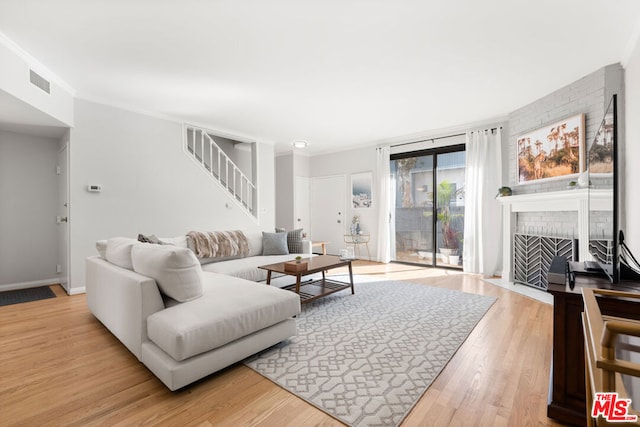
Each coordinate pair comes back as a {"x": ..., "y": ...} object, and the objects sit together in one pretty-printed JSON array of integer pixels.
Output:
[{"x": 94, "y": 188}]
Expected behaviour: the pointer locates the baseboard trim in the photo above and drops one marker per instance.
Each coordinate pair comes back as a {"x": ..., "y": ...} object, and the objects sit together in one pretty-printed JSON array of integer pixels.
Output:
[
  {"x": 76, "y": 291},
  {"x": 26, "y": 285}
]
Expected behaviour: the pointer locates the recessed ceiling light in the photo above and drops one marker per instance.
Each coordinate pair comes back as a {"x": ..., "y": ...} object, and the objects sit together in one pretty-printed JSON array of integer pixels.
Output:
[{"x": 300, "y": 144}]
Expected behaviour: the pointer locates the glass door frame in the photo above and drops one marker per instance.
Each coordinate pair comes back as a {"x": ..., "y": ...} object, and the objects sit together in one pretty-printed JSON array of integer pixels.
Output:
[{"x": 434, "y": 223}]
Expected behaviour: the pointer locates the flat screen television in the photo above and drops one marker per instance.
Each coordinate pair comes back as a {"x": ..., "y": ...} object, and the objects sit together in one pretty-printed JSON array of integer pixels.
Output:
[
  {"x": 602, "y": 168},
  {"x": 606, "y": 239}
]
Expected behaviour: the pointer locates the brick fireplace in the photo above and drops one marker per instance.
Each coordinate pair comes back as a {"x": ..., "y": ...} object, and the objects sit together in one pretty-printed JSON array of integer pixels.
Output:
[{"x": 526, "y": 217}]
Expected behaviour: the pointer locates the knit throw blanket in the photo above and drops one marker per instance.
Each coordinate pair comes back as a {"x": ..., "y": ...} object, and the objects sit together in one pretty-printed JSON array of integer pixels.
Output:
[{"x": 215, "y": 244}]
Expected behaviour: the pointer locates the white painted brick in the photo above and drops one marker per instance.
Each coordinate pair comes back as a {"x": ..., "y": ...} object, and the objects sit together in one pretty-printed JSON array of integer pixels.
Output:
[{"x": 586, "y": 95}]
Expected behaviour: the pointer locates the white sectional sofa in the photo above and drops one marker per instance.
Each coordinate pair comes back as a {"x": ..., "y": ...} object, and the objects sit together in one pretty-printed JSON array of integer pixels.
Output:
[{"x": 184, "y": 320}]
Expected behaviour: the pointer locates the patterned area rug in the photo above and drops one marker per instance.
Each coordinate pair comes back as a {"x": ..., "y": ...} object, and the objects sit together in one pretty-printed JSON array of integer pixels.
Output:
[
  {"x": 367, "y": 358},
  {"x": 25, "y": 295}
]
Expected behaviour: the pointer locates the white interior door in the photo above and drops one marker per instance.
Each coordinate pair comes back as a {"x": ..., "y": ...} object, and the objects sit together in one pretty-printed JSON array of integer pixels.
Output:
[
  {"x": 63, "y": 217},
  {"x": 328, "y": 216}
]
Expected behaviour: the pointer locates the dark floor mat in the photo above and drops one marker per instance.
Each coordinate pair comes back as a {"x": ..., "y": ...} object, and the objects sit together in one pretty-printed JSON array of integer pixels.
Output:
[{"x": 25, "y": 295}]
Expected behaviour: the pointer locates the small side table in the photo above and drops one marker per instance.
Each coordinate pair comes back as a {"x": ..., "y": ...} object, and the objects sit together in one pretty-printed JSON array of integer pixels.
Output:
[
  {"x": 356, "y": 240},
  {"x": 322, "y": 244}
]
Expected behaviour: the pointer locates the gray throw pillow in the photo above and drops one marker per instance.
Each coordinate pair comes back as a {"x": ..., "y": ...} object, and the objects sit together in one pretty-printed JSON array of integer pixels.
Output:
[
  {"x": 274, "y": 244},
  {"x": 294, "y": 239},
  {"x": 148, "y": 239}
]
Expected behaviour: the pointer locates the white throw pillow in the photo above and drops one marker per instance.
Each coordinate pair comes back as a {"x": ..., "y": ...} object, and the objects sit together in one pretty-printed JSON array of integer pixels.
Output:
[
  {"x": 119, "y": 251},
  {"x": 176, "y": 270},
  {"x": 179, "y": 241},
  {"x": 101, "y": 247},
  {"x": 255, "y": 242}
]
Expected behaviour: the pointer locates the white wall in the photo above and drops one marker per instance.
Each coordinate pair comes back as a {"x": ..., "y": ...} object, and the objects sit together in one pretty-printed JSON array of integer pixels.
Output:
[
  {"x": 301, "y": 191},
  {"x": 289, "y": 166},
  {"x": 632, "y": 151},
  {"x": 301, "y": 165},
  {"x": 28, "y": 198},
  {"x": 149, "y": 185},
  {"x": 284, "y": 178},
  {"x": 347, "y": 163}
]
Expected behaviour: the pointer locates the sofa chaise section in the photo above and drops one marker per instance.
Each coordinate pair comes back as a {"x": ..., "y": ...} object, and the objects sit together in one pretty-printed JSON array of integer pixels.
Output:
[
  {"x": 229, "y": 309},
  {"x": 185, "y": 341}
]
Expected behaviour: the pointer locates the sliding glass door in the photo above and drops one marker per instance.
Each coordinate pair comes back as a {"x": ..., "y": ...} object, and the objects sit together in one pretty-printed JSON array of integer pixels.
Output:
[{"x": 428, "y": 201}]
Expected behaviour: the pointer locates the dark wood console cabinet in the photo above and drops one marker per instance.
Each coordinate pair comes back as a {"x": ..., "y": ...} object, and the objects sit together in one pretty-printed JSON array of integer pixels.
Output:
[{"x": 567, "y": 394}]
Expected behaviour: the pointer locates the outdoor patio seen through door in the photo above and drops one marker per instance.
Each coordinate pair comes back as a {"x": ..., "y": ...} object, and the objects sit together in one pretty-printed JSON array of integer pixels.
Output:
[{"x": 427, "y": 199}]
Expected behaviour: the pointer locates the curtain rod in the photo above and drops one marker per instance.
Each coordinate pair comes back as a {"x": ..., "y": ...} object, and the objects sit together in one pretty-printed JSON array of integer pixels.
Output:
[{"x": 440, "y": 137}]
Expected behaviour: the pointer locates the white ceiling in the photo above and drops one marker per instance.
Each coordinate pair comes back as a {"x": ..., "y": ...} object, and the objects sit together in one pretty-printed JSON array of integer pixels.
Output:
[{"x": 333, "y": 73}]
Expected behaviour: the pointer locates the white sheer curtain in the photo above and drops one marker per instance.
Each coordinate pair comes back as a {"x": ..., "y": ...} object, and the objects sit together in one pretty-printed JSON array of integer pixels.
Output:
[
  {"x": 383, "y": 187},
  {"x": 482, "y": 216}
]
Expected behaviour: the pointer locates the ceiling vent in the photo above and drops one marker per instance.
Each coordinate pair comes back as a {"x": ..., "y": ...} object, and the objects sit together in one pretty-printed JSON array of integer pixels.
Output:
[{"x": 39, "y": 81}]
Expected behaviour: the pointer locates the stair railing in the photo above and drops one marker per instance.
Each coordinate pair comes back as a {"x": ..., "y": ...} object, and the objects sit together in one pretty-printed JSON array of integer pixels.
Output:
[{"x": 204, "y": 151}]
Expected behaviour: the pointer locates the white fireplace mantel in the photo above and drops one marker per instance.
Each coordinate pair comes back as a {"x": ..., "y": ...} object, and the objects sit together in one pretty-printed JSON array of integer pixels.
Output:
[{"x": 573, "y": 200}]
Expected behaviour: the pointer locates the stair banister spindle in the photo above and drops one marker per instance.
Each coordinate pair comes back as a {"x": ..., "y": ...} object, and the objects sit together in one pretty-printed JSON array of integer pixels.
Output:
[
  {"x": 223, "y": 163},
  {"x": 211, "y": 155},
  {"x": 235, "y": 189},
  {"x": 219, "y": 170},
  {"x": 202, "y": 148},
  {"x": 195, "y": 146},
  {"x": 226, "y": 170},
  {"x": 195, "y": 142},
  {"x": 242, "y": 188}
]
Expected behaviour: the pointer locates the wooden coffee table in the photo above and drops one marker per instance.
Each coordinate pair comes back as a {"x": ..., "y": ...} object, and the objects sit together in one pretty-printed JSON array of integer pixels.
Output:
[{"x": 314, "y": 289}]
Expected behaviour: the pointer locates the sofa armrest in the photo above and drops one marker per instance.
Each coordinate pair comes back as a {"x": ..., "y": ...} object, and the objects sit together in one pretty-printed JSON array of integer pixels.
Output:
[{"x": 122, "y": 300}]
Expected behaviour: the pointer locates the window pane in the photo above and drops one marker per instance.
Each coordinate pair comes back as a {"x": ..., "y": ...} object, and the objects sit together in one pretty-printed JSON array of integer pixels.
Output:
[
  {"x": 418, "y": 213},
  {"x": 413, "y": 179},
  {"x": 450, "y": 208}
]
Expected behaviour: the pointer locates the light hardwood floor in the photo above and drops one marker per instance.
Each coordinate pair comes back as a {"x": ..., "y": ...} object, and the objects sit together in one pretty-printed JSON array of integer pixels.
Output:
[{"x": 60, "y": 366}]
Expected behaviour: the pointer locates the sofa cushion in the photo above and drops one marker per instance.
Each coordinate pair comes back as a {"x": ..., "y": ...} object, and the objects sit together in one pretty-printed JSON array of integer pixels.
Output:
[
  {"x": 294, "y": 240},
  {"x": 255, "y": 242},
  {"x": 218, "y": 244},
  {"x": 176, "y": 270},
  {"x": 229, "y": 309},
  {"x": 247, "y": 268},
  {"x": 148, "y": 239},
  {"x": 101, "y": 247},
  {"x": 119, "y": 251},
  {"x": 180, "y": 241},
  {"x": 191, "y": 245},
  {"x": 274, "y": 244}
]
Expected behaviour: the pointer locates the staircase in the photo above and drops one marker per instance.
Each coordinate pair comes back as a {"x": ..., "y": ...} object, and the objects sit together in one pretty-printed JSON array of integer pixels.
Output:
[{"x": 204, "y": 151}]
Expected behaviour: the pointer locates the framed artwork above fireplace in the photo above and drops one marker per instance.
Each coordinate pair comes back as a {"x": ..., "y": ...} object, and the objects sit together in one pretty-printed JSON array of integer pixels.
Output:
[{"x": 554, "y": 151}]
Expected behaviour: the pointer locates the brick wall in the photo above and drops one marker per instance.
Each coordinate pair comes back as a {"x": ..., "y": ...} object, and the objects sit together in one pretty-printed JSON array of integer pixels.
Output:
[
  {"x": 556, "y": 224},
  {"x": 589, "y": 95}
]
